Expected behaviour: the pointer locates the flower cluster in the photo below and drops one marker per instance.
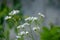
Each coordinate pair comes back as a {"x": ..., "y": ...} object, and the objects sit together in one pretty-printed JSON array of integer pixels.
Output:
[
  {"x": 34, "y": 28},
  {"x": 11, "y": 14},
  {"x": 7, "y": 17},
  {"x": 23, "y": 25},
  {"x": 41, "y": 14},
  {"x": 14, "y": 12},
  {"x": 22, "y": 33},
  {"x": 31, "y": 18}
]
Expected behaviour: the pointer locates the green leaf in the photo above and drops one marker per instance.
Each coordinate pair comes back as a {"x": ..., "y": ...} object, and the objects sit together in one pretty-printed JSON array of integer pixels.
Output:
[
  {"x": 6, "y": 34},
  {"x": 10, "y": 23},
  {"x": 50, "y": 34}
]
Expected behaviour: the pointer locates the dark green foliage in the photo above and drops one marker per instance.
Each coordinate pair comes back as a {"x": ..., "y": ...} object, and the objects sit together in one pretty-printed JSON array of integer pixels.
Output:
[
  {"x": 13, "y": 22},
  {"x": 6, "y": 34},
  {"x": 17, "y": 4},
  {"x": 51, "y": 34},
  {"x": 1, "y": 20},
  {"x": 4, "y": 11},
  {"x": 51, "y": 2},
  {"x": 1, "y": 32}
]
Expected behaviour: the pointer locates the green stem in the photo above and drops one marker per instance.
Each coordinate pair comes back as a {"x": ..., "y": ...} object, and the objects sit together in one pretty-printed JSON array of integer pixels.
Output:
[{"x": 31, "y": 33}]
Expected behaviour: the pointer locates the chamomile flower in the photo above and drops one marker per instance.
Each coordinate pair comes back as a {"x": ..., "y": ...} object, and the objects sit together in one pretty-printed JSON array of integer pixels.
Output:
[
  {"x": 26, "y": 24},
  {"x": 41, "y": 14},
  {"x": 35, "y": 18},
  {"x": 36, "y": 28},
  {"x": 14, "y": 12},
  {"x": 22, "y": 33},
  {"x": 23, "y": 25},
  {"x": 31, "y": 18},
  {"x": 27, "y": 32},
  {"x": 19, "y": 26},
  {"x": 7, "y": 17},
  {"x": 18, "y": 36}
]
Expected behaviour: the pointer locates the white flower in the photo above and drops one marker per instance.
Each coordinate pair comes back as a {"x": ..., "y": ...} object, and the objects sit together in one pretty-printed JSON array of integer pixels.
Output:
[
  {"x": 27, "y": 32},
  {"x": 26, "y": 24},
  {"x": 31, "y": 18},
  {"x": 41, "y": 14},
  {"x": 35, "y": 18},
  {"x": 19, "y": 26},
  {"x": 36, "y": 28},
  {"x": 18, "y": 36},
  {"x": 14, "y": 12},
  {"x": 22, "y": 33},
  {"x": 7, "y": 17},
  {"x": 23, "y": 25}
]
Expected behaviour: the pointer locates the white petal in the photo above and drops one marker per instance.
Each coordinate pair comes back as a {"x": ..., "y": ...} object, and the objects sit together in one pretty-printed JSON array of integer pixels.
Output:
[
  {"x": 19, "y": 26},
  {"x": 36, "y": 28},
  {"x": 14, "y": 12},
  {"x": 35, "y": 18},
  {"x": 22, "y": 33},
  {"x": 29, "y": 18},
  {"x": 26, "y": 24},
  {"x": 7, "y": 17},
  {"x": 18, "y": 36},
  {"x": 41, "y": 14},
  {"x": 27, "y": 32}
]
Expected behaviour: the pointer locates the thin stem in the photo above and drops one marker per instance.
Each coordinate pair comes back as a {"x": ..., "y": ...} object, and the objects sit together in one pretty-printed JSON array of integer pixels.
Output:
[{"x": 31, "y": 33}]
